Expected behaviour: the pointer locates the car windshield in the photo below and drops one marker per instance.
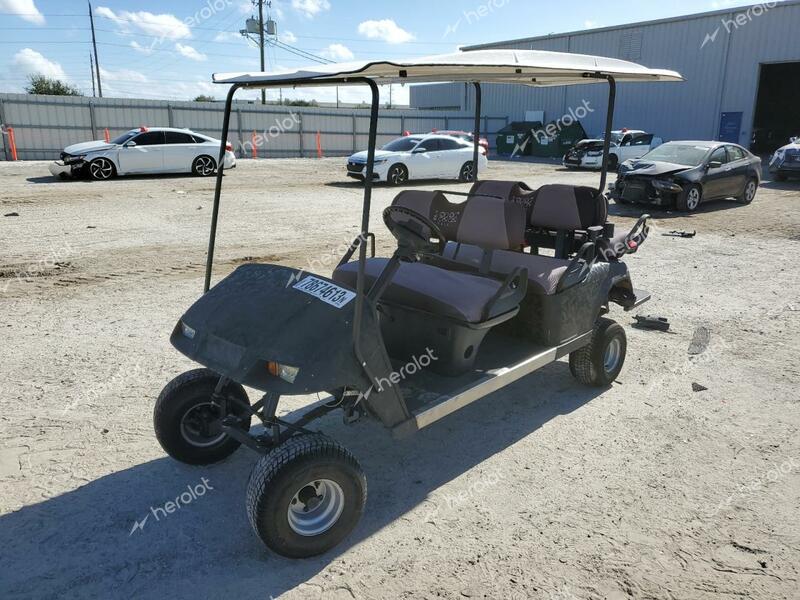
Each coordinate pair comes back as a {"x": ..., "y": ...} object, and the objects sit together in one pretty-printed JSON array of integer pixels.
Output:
[
  {"x": 690, "y": 155},
  {"x": 124, "y": 137},
  {"x": 403, "y": 144}
]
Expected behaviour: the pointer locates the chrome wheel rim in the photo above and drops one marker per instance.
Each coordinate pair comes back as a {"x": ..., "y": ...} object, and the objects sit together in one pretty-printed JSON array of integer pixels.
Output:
[
  {"x": 200, "y": 426},
  {"x": 750, "y": 192},
  {"x": 101, "y": 169},
  {"x": 467, "y": 172},
  {"x": 612, "y": 355},
  {"x": 398, "y": 175},
  {"x": 693, "y": 200},
  {"x": 316, "y": 507},
  {"x": 205, "y": 166}
]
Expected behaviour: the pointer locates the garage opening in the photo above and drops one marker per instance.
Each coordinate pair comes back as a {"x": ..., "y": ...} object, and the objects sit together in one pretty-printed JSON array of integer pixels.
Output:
[{"x": 777, "y": 116}]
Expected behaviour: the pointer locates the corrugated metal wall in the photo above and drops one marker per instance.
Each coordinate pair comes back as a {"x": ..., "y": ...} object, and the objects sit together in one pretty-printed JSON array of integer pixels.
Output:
[
  {"x": 44, "y": 125},
  {"x": 721, "y": 76}
]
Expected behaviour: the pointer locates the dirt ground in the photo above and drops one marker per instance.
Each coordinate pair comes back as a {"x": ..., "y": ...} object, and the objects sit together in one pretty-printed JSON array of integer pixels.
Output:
[{"x": 545, "y": 489}]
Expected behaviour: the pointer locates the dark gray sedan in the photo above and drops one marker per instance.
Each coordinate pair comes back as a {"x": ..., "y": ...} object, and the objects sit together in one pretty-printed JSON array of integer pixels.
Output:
[{"x": 684, "y": 174}]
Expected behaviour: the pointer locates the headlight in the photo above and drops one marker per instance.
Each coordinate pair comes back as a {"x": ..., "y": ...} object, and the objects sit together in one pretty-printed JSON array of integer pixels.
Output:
[
  {"x": 73, "y": 159},
  {"x": 285, "y": 372},
  {"x": 380, "y": 161},
  {"x": 187, "y": 331},
  {"x": 666, "y": 186}
]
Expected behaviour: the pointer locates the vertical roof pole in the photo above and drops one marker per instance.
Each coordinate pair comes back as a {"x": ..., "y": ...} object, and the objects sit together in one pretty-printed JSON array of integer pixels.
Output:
[
  {"x": 612, "y": 96},
  {"x": 477, "y": 129},
  {"x": 226, "y": 120},
  {"x": 362, "y": 247}
]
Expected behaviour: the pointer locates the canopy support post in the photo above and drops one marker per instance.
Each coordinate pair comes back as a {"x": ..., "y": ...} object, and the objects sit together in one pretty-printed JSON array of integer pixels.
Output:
[
  {"x": 362, "y": 247},
  {"x": 612, "y": 96},
  {"x": 226, "y": 121},
  {"x": 477, "y": 139}
]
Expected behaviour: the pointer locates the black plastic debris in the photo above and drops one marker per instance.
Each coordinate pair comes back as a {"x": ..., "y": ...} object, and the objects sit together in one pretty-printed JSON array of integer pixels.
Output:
[
  {"x": 680, "y": 234},
  {"x": 652, "y": 322}
]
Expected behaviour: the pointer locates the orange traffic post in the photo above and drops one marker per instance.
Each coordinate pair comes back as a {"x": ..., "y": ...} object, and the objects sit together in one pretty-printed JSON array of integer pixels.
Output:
[
  {"x": 319, "y": 145},
  {"x": 253, "y": 144},
  {"x": 12, "y": 142},
  {"x": 107, "y": 136}
]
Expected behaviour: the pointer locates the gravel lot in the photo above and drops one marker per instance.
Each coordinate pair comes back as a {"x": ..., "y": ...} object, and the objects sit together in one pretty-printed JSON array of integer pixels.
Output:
[{"x": 543, "y": 490}]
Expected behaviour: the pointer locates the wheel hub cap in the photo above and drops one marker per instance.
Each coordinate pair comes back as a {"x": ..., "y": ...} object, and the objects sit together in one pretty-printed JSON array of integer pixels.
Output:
[
  {"x": 694, "y": 199},
  {"x": 612, "y": 355},
  {"x": 201, "y": 427},
  {"x": 316, "y": 507}
]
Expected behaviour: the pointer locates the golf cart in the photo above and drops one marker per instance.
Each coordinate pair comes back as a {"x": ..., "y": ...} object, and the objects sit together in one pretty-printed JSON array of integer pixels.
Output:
[{"x": 465, "y": 306}]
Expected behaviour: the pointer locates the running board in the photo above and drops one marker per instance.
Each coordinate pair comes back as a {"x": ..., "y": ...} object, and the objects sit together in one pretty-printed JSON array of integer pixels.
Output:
[
  {"x": 489, "y": 382},
  {"x": 641, "y": 296}
]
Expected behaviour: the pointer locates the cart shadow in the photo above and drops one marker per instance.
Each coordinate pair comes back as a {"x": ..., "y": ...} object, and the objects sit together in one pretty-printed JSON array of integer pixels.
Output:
[
  {"x": 85, "y": 543},
  {"x": 637, "y": 210}
]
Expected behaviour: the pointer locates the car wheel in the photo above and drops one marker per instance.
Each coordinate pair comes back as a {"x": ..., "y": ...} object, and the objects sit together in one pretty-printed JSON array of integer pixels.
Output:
[
  {"x": 689, "y": 199},
  {"x": 187, "y": 422},
  {"x": 613, "y": 162},
  {"x": 397, "y": 175},
  {"x": 750, "y": 191},
  {"x": 101, "y": 169},
  {"x": 305, "y": 496},
  {"x": 204, "y": 166},
  {"x": 467, "y": 172}
]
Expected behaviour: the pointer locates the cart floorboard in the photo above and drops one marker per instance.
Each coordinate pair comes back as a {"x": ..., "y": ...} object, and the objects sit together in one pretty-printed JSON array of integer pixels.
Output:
[{"x": 503, "y": 360}]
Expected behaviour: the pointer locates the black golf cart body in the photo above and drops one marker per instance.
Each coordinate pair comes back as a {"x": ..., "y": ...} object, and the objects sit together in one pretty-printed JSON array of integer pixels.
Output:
[{"x": 446, "y": 320}]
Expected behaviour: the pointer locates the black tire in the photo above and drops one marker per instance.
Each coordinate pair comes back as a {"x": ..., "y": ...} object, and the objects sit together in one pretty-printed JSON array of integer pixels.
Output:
[
  {"x": 467, "y": 172},
  {"x": 305, "y": 465},
  {"x": 613, "y": 163},
  {"x": 593, "y": 365},
  {"x": 690, "y": 198},
  {"x": 187, "y": 424},
  {"x": 101, "y": 169},
  {"x": 749, "y": 192},
  {"x": 204, "y": 166},
  {"x": 397, "y": 174}
]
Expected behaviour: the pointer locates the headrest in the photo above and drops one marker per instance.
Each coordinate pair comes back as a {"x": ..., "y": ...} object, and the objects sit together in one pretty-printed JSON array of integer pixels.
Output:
[
  {"x": 516, "y": 192},
  {"x": 568, "y": 207},
  {"x": 481, "y": 221}
]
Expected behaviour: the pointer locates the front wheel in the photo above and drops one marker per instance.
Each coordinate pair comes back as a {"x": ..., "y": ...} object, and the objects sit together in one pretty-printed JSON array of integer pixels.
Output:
[
  {"x": 188, "y": 423},
  {"x": 749, "y": 193},
  {"x": 600, "y": 362},
  {"x": 689, "y": 199},
  {"x": 204, "y": 166},
  {"x": 305, "y": 496},
  {"x": 397, "y": 175},
  {"x": 101, "y": 169},
  {"x": 467, "y": 172}
]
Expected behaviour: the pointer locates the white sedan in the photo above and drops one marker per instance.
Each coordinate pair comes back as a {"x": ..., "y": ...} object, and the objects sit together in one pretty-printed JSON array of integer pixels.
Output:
[
  {"x": 420, "y": 157},
  {"x": 626, "y": 144},
  {"x": 144, "y": 150}
]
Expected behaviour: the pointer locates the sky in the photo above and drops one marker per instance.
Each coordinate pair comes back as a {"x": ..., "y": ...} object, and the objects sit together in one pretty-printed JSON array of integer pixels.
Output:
[{"x": 169, "y": 49}]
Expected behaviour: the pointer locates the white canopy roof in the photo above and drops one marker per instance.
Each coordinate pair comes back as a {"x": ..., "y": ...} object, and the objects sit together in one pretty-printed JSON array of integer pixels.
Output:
[{"x": 525, "y": 67}]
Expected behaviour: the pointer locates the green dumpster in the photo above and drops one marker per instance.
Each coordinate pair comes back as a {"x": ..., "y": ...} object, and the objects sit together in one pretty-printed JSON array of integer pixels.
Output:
[
  {"x": 555, "y": 139},
  {"x": 515, "y": 138}
]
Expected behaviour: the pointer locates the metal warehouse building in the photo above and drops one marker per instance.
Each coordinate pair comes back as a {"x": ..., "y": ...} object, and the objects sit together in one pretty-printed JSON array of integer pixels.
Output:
[{"x": 742, "y": 70}]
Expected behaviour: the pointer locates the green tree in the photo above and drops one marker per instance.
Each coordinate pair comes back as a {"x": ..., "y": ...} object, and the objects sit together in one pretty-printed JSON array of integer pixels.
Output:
[
  {"x": 204, "y": 98},
  {"x": 40, "y": 84}
]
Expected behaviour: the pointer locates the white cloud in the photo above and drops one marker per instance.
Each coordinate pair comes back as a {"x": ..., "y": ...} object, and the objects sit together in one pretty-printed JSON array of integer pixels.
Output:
[
  {"x": 228, "y": 36},
  {"x": 337, "y": 52},
  {"x": 123, "y": 75},
  {"x": 164, "y": 26},
  {"x": 29, "y": 62},
  {"x": 386, "y": 30},
  {"x": 189, "y": 52},
  {"x": 589, "y": 24},
  {"x": 310, "y": 8},
  {"x": 24, "y": 9},
  {"x": 288, "y": 37},
  {"x": 142, "y": 49}
]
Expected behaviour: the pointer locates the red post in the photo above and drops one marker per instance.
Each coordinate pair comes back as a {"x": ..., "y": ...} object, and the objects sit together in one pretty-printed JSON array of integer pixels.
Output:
[
  {"x": 12, "y": 142},
  {"x": 319, "y": 145},
  {"x": 253, "y": 144},
  {"x": 107, "y": 136}
]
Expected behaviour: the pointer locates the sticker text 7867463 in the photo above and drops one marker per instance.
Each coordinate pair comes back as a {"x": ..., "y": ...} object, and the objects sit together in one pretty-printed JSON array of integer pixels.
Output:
[{"x": 325, "y": 291}]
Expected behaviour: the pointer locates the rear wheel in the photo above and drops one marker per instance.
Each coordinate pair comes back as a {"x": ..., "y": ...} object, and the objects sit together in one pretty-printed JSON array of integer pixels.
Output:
[
  {"x": 204, "y": 166},
  {"x": 613, "y": 162},
  {"x": 749, "y": 193},
  {"x": 689, "y": 199},
  {"x": 397, "y": 175},
  {"x": 188, "y": 424},
  {"x": 467, "y": 172},
  {"x": 305, "y": 496},
  {"x": 600, "y": 362},
  {"x": 101, "y": 169}
]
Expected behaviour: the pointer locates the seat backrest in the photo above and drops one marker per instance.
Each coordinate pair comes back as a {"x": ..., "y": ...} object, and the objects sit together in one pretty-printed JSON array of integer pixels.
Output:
[
  {"x": 516, "y": 192},
  {"x": 568, "y": 208},
  {"x": 489, "y": 223}
]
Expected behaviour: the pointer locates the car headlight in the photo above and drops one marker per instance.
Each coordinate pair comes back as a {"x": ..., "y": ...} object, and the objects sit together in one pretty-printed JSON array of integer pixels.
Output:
[
  {"x": 380, "y": 161},
  {"x": 666, "y": 185},
  {"x": 68, "y": 160},
  {"x": 285, "y": 372}
]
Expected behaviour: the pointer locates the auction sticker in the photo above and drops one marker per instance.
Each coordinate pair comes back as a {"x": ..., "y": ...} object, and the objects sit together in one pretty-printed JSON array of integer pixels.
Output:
[{"x": 325, "y": 291}]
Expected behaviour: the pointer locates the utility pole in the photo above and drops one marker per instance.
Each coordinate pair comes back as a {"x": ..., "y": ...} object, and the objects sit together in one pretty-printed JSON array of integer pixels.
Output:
[
  {"x": 261, "y": 43},
  {"x": 91, "y": 67},
  {"x": 96, "y": 61}
]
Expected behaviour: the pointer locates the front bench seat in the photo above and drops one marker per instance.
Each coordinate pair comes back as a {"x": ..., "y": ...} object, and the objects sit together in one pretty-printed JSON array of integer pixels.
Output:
[{"x": 452, "y": 294}]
